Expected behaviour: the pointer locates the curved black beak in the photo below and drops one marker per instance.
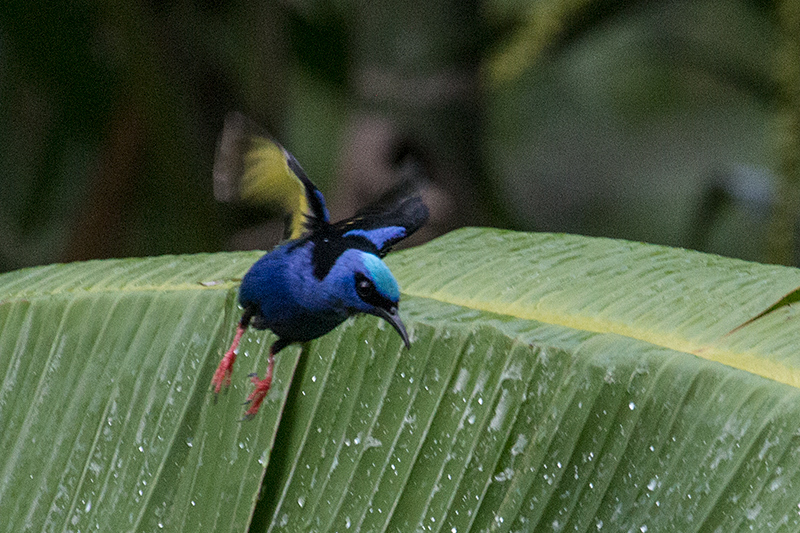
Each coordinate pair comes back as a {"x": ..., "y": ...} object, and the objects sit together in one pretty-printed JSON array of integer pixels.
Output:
[{"x": 392, "y": 316}]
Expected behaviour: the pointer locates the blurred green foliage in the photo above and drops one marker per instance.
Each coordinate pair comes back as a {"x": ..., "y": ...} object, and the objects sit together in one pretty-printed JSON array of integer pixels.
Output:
[{"x": 651, "y": 121}]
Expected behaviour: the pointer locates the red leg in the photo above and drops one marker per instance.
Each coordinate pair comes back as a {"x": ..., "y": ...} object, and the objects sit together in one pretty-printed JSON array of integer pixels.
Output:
[
  {"x": 223, "y": 373},
  {"x": 262, "y": 386}
]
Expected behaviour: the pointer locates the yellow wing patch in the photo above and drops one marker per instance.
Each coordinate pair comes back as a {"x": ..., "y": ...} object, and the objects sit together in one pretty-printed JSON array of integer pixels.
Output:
[
  {"x": 267, "y": 179},
  {"x": 250, "y": 167}
]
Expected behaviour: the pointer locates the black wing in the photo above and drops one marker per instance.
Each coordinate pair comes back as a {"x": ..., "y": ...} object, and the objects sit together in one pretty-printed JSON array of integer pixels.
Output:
[{"x": 390, "y": 219}]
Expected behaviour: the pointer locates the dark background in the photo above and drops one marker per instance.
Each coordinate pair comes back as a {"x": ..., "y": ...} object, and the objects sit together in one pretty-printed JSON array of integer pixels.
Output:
[{"x": 672, "y": 122}]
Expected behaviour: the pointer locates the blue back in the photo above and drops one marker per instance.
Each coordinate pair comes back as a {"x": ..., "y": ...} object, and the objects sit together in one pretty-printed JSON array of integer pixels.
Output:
[{"x": 296, "y": 305}]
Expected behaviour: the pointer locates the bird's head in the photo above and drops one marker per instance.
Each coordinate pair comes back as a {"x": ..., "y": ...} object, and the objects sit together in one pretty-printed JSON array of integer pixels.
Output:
[{"x": 369, "y": 287}]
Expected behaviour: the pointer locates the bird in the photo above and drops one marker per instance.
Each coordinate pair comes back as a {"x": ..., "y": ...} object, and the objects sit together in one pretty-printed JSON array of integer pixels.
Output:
[{"x": 323, "y": 272}]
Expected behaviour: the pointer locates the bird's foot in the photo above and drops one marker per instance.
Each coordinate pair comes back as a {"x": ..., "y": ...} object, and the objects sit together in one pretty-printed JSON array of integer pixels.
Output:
[
  {"x": 258, "y": 395},
  {"x": 222, "y": 377}
]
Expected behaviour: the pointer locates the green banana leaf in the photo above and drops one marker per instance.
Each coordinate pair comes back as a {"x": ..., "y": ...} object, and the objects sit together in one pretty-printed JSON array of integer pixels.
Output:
[{"x": 554, "y": 383}]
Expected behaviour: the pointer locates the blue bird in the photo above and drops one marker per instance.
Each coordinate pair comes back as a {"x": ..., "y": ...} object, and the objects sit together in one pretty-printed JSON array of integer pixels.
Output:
[{"x": 326, "y": 272}]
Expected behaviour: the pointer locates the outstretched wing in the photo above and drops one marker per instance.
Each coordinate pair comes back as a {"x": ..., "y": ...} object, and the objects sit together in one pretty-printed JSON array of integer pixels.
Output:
[
  {"x": 252, "y": 167},
  {"x": 392, "y": 218}
]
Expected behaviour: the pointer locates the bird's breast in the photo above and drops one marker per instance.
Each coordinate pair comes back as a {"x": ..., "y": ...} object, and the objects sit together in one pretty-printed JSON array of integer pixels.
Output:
[{"x": 290, "y": 300}]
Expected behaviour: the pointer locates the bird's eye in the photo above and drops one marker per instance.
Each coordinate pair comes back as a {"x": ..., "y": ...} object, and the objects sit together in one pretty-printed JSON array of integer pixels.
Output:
[{"x": 364, "y": 286}]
